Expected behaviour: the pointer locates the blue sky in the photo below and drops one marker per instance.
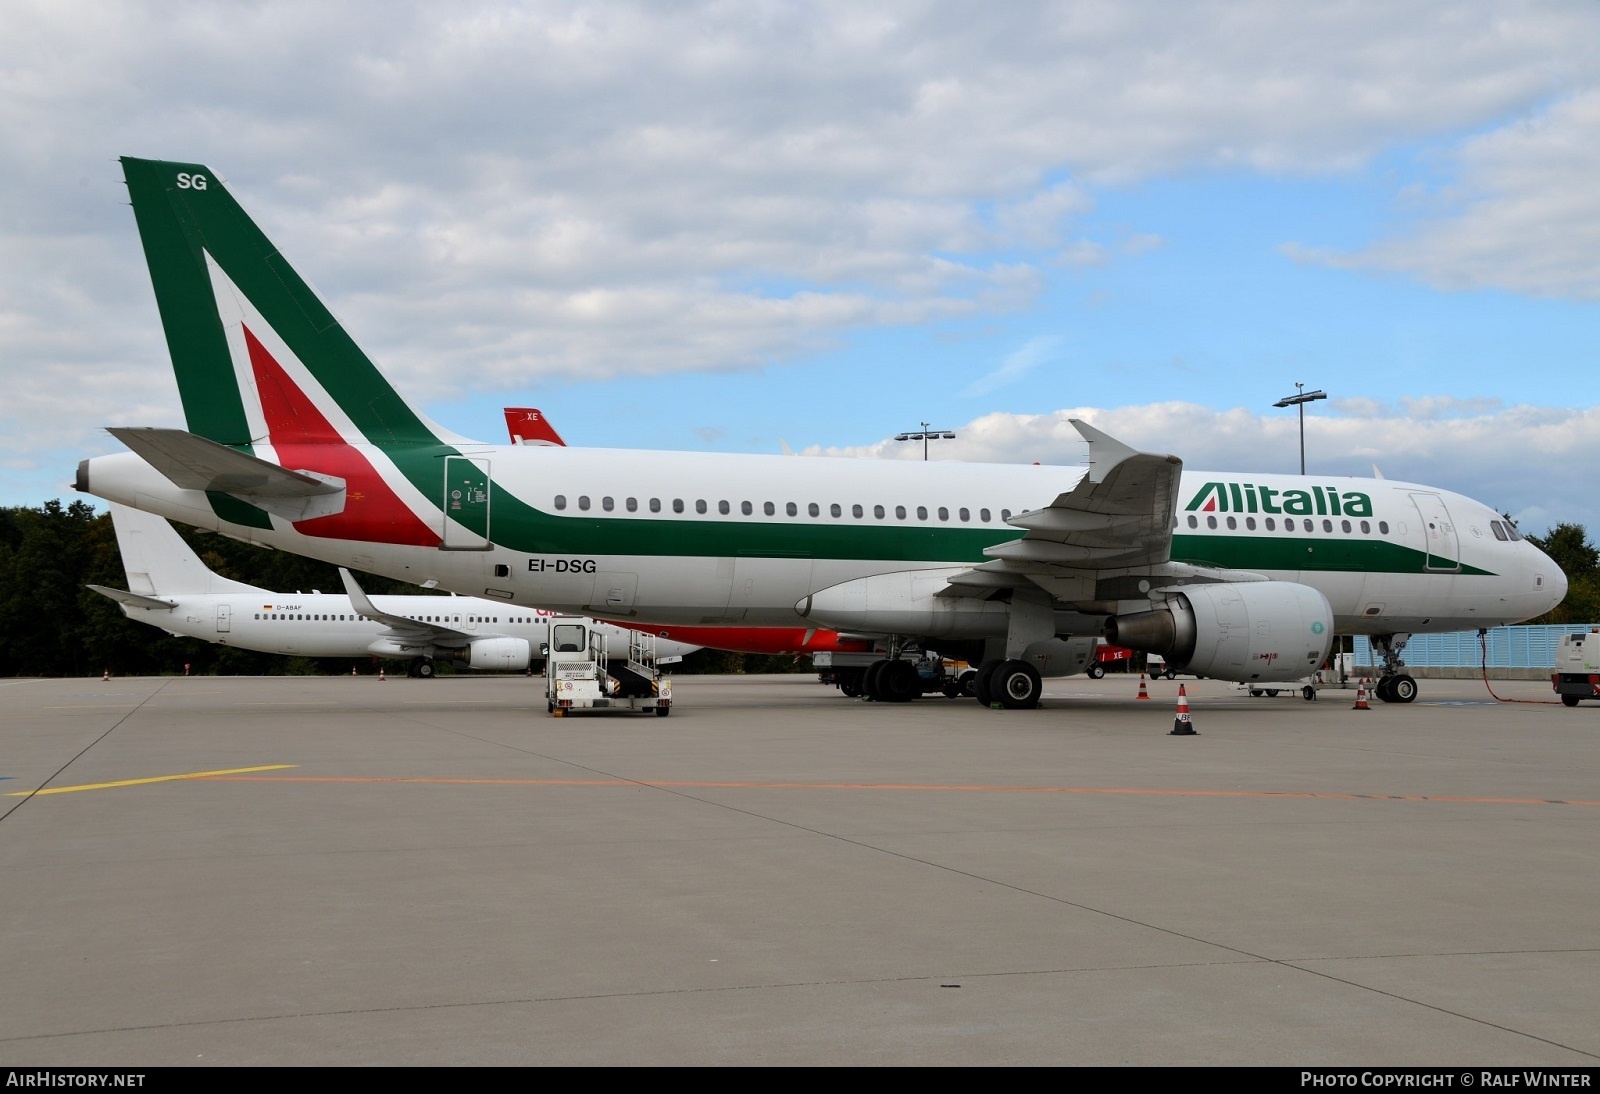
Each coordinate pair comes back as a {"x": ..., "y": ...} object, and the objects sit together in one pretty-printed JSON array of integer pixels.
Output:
[{"x": 726, "y": 227}]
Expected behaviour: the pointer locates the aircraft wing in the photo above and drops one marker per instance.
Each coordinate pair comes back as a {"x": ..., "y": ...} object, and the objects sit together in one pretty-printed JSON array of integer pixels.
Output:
[
  {"x": 1118, "y": 517},
  {"x": 400, "y": 627},
  {"x": 134, "y": 600}
]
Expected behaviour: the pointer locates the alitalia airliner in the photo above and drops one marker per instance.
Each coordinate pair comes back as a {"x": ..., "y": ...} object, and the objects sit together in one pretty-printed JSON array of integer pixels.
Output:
[{"x": 295, "y": 440}]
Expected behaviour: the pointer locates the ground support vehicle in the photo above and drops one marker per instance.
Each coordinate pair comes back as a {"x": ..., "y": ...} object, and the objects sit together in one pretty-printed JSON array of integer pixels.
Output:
[
  {"x": 1577, "y": 671},
  {"x": 580, "y": 674},
  {"x": 1107, "y": 656},
  {"x": 899, "y": 679}
]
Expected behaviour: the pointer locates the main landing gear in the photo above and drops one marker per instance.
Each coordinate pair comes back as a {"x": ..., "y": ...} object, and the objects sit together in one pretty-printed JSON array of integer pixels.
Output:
[
  {"x": 421, "y": 669},
  {"x": 1014, "y": 684}
]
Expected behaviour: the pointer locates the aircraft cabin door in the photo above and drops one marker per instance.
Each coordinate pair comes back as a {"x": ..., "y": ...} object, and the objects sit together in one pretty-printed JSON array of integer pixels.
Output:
[
  {"x": 224, "y": 618},
  {"x": 466, "y": 504},
  {"x": 1439, "y": 532}
]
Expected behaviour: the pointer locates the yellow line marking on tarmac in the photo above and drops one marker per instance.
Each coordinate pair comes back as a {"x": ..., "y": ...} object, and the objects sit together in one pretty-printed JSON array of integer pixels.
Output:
[
  {"x": 155, "y": 779},
  {"x": 953, "y": 788}
]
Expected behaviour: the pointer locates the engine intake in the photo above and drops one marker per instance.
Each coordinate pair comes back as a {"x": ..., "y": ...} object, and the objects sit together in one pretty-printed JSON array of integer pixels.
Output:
[{"x": 1268, "y": 631}]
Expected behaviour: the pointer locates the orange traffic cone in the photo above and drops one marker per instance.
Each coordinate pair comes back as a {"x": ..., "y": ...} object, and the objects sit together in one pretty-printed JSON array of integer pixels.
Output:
[
  {"x": 1361, "y": 695},
  {"x": 1181, "y": 725},
  {"x": 1144, "y": 692},
  {"x": 105, "y": 676},
  {"x": 380, "y": 672},
  {"x": 352, "y": 670}
]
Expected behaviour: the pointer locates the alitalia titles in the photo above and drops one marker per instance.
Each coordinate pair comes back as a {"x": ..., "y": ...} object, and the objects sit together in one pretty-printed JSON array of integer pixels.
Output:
[{"x": 1247, "y": 497}]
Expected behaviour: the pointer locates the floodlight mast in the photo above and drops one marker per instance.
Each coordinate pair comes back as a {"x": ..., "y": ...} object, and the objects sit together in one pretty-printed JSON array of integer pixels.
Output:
[
  {"x": 1300, "y": 399},
  {"x": 925, "y": 436}
]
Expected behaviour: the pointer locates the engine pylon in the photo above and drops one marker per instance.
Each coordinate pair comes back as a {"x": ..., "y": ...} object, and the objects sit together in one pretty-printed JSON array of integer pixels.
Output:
[{"x": 1182, "y": 726}]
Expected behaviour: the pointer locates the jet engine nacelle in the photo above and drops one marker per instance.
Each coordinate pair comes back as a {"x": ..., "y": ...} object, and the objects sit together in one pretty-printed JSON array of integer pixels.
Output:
[
  {"x": 1266, "y": 631},
  {"x": 494, "y": 654}
]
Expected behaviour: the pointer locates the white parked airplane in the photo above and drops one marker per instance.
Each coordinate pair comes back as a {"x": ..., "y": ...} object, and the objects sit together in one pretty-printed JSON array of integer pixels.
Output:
[
  {"x": 295, "y": 440},
  {"x": 171, "y": 588}
]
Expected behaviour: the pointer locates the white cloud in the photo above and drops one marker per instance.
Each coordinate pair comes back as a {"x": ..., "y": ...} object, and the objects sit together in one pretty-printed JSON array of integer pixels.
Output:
[{"x": 1523, "y": 213}]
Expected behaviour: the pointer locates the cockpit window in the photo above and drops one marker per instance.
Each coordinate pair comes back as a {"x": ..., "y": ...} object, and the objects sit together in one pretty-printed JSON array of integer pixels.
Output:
[{"x": 1499, "y": 530}]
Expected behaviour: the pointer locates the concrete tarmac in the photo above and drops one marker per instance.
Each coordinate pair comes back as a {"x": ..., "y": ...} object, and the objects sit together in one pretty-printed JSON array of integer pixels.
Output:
[{"x": 436, "y": 872}]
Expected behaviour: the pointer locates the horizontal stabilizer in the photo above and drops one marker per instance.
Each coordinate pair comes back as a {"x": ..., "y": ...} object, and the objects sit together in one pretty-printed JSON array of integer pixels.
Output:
[
  {"x": 134, "y": 600},
  {"x": 192, "y": 462}
]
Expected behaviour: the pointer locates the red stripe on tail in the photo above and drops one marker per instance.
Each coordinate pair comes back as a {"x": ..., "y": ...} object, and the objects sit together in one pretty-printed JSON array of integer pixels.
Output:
[{"x": 305, "y": 440}]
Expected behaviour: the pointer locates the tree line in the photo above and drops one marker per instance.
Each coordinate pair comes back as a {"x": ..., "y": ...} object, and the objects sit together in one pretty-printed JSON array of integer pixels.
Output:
[{"x": 51, "y": 624}]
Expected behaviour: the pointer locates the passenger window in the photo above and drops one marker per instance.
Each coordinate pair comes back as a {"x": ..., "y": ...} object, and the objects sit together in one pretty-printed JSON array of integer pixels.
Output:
[
  {"x": 1366, "y": 528},
  {"x": 724, "y": 508},
  {"x": 607, "y": 504},
  {"x": 922, "y": 512},
  {"x": 655, "y": 505},
  {"x": 583, "y": 502},
  {"x": 877, "y": 511},
  {"x": 1250, "y": 523},
  {"x": 632, "y": 505},
  {"x": 1309, "y": 526},
  {"x": 815, "y": 510},
  {"x": 700, "y": 505},
  {"x": 677, "y": 505},
  {"x": 1193, "y": 521},
  {"x": 899, "y": 512},
  {"x": 855, "y": 511},
  {"x": 835, "y": 510},
  {"x": 1211, "y": 522},
  {"x": 964, "y": 514},
  {"x": 791, "y": 509},
  {"x": 1288, "y": 524},
  {"x": 983, "y": 516},
  {"x": 944, "y": 514},
  {"x": 1327, "y": 525},
  {"x": 1344, "y": 526},
  {"x": 1005, "y": 514},
  {"x": 561, "y": 501},
  {"x": 1232, "y": 524},
  {"x": 746, "y": 508}
]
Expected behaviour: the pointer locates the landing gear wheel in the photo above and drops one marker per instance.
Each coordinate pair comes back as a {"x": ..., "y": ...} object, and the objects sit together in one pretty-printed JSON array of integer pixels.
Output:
[
  {"x": 1095, "y": 672},
  {"x": 968, "y": 683},
  {"x": 898, "y": 682},
  {"x": 1016, "y": 684},
  {"x": 425, "y": 668},
  {"x": 1272, "y": 693},
  {"x": 411, "y": 669},
  {"x": 1308, "y": 693},
  {"x": 850, "y": 683},
  {"x": 1256, "y": 693},
  {"x": 1403, "y": 688},
  {"x": 1384, "y": 688},
  {"x": 1569, "y": 700},
  {"x": 980, "y": 683}
]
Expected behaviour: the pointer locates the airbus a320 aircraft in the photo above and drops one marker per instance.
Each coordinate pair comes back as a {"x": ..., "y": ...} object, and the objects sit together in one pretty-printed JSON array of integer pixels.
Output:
[
  {"x": 295, "y": 440},
  {"x": 169, "y": 587}
]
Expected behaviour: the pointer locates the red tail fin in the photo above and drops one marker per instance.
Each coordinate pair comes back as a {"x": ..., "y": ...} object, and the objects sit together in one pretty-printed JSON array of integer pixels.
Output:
[{"x": 529, "y": 426}]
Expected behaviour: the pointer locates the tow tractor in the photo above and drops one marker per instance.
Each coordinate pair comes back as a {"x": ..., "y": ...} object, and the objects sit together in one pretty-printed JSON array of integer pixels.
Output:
[
  {"x": 580, "y": 674},
  {"x": 1577, "y": 671}
]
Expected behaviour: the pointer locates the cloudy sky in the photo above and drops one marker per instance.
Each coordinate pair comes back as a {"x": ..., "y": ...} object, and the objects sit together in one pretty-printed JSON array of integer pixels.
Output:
[{"x": 735, "y": 226}]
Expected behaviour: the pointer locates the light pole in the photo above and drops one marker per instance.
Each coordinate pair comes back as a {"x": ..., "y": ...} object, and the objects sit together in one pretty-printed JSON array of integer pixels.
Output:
[
  {"x": 1300, "y": 400},
  {"x": 925, "y": 436}
]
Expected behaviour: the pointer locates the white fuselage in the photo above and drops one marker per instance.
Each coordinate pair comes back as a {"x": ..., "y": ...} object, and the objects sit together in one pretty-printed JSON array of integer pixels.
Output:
[{"x": 656, "y": 538}]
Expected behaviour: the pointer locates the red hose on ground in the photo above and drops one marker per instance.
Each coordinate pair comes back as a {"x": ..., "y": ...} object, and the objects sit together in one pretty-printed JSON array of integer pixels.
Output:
[{"x": 1483, "y": 644}]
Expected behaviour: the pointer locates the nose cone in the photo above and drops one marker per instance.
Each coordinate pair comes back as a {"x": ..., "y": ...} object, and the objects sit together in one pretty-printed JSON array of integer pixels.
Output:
[{"x": 1555, "y": 581}]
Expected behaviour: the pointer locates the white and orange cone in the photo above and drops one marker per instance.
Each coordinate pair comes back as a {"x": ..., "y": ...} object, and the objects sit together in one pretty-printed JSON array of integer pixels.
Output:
[
  {"x": 1181, "y": 725},
  {"x": 352, "y": 670},
  {"x": 1361, "y": 695},
  {"x": 380, "y": 672},
  {"x": 1144, "y": 692},
  {"x": 105, "y": 676}
]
